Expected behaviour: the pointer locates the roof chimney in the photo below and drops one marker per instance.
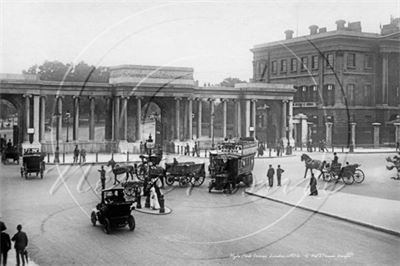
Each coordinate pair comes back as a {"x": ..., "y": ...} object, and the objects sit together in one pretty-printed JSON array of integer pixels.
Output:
[
  {"x": 313, "y": 29},
  {"x": 289, "y": 34},
  {"x": 340, "y": 24},
  {"x": 322, "y": 30}
]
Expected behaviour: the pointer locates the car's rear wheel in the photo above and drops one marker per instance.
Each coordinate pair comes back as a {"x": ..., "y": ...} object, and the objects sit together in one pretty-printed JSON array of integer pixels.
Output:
[
  {"x": 93, "y": 218},
  {"x": 131, "y": 223},
  {"x": 107, "y": 226}
]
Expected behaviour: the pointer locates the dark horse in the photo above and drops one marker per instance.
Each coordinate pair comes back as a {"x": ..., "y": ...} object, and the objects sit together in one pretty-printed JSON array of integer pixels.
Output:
[
  {"x": 120, "y": 169},
  {"x": 312, "y": 164}
]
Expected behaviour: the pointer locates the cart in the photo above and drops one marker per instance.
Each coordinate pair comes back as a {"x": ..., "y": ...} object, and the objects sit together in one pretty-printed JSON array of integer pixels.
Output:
[
  {"x": 10, "y": 153},
  {"x": 185, "y": 173},
  {"x": 33, "y": 163}
]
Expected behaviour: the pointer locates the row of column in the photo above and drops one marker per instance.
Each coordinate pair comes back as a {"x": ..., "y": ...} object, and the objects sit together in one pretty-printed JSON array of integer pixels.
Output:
[{"x": 249, "y": 118}]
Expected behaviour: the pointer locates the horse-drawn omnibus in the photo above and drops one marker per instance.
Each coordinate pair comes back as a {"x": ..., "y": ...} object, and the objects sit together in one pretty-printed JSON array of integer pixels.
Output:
[{"x": 231, "y": 163}]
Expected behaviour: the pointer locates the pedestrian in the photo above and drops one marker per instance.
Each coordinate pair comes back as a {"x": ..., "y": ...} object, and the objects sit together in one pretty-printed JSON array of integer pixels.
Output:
[
  {"x": 5, "y": 244},
  {"x": 260, "y": 150},
  {"x": 21, "y": 241},
  {"x": 141, "y": 147},
  {"x": 278, "y": 149},
  {"x": 270, "y": 175},
  {"x": 102, "y": 177},
  {"x": 313, "y": 186},
  {"x": 187, "y": 149},
  {"x": 279, "y": 172},
  {"x": 76, "y": 154},
  {"x": 83, "y": 155}
]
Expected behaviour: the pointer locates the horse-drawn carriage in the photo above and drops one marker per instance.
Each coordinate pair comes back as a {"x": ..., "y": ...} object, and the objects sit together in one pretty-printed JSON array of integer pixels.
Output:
[
  {"x": 232, "y": 163},
  {"x": 33, "y": 162},
  {"x": 114, "y": 210},
  {"x": 185, "y": 173},
  {"x": 349, "y": 173},
  {"x": 10, "y": 152}
]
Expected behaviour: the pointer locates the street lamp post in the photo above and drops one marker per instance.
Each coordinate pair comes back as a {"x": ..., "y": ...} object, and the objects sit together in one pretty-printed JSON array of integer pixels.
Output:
[
  {"x": 66, "y": 118},
  {"x": 57, "y": 115}
]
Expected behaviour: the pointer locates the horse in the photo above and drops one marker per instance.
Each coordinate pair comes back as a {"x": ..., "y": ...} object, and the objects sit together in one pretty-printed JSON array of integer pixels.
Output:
[
  {"x": 312, "y": 164},
  {"x": 121, "y": 169},
  {"x": 395, "y": 164}
]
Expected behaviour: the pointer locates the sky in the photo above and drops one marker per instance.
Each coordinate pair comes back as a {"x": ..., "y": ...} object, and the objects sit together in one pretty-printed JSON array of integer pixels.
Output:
[{"x": 213, "y": 37}]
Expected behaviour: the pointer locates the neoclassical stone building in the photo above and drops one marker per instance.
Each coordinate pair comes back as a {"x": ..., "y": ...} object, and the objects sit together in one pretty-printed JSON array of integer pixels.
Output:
[
  {"x": 186, "y": 112},
  {"x": 347, "y": 81}
]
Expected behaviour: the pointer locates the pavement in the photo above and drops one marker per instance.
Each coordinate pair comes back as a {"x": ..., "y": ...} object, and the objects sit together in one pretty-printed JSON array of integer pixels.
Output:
[{"x": 376, "y": 213}]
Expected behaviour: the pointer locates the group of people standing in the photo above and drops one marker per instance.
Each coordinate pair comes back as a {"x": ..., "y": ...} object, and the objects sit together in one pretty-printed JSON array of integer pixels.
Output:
[
  {"x": 21, "y": 242},
  {"x": 81, "y": 153}
]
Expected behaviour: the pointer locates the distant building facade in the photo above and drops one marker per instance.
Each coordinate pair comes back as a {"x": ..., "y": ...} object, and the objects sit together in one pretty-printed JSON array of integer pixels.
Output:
[{"x": 347, "y": 81}]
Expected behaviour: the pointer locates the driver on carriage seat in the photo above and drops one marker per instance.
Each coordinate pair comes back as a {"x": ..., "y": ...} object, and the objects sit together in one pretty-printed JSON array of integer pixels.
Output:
[{"x": 335, "y": 160}]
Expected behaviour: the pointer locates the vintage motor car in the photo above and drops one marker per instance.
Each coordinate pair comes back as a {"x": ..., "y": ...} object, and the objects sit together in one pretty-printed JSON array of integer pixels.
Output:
[
  {"x": 231, "y": 163},
  {"x": 114, "y": 210},
  {"x": 10, "y": 153}
]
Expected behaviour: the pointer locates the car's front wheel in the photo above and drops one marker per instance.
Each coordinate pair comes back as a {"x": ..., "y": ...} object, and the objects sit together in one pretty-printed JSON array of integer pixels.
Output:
[{"x": 131, "y": 223}]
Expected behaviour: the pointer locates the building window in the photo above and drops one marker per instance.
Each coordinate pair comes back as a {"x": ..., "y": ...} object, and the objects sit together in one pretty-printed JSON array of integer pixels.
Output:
[
  {"x": 274, "y": 67},
  {"x": 283, "y": 66},
  {"x": 367, "y": 95},
  {"x": 368, "y": 61},
  {"x": 314, "y": 62},
  {"x": 329, "y": 95},
  {"x": 293, "y": 65},
  {"x": 262, "y": 70},
  {"x": 314, "y": 93},
  {"x": 350, "y": 94},
  {"x": 329, "y": 61},
  {"x": 304, "y": 63},
  {"x": 351, "y": 60}
]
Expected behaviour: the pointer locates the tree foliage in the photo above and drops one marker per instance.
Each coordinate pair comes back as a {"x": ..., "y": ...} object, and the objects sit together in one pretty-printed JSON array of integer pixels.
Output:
[
  {"x": 81, "y": 72},
  {"x": 230, "y": 82},
  {"x": 58, "y": 71}
]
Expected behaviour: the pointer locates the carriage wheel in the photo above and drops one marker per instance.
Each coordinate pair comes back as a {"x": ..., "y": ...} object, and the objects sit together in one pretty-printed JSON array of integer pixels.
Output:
[
  {"x": 358, "y": 176},
  {"x": 93, "y": 218},
  {"x": 107, "y": 226},
  {"x": 170, "y": 180},
  {"x": 197, "y": 180},
  {"x": 249, "y": 180},
  {"x": 131, "y": 223},
  {"x": 348, "y": 180}
]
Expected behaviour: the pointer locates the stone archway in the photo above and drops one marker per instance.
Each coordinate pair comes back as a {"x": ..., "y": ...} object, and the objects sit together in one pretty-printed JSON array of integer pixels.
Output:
[{"x": 14, "y": 118}]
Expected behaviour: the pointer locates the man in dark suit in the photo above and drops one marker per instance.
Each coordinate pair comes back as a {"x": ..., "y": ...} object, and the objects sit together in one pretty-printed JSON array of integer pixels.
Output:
[
  {"x": 270, "y": 175},
  {"x": 21, "y": 241}
]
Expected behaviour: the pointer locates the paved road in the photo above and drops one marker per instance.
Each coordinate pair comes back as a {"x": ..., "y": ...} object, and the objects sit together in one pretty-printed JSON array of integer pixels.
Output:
[{"x": 203, "y": 229}]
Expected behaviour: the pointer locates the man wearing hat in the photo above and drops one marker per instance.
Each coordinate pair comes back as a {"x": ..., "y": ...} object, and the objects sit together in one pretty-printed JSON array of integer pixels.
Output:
[
  {"x": 5, "y": 244},
  {"x": 21, "y": 241}
]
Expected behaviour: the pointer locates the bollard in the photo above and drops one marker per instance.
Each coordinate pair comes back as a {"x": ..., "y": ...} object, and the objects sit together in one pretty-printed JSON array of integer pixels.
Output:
[
  {"x": 97, "y": 157},
  {"x": 270, "y": 150},
  {"x": 161, "y": 202},
  {"x": 112, "y": 155},
  {"x": 177, "y": 149},
  {"x": 48, "y": 157},
  {"x": 342, "y": 148},
  {"x": 127, "y": 156},
  {"x": 63, "y": 157},
  {"x": 333, "y": 149}
]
